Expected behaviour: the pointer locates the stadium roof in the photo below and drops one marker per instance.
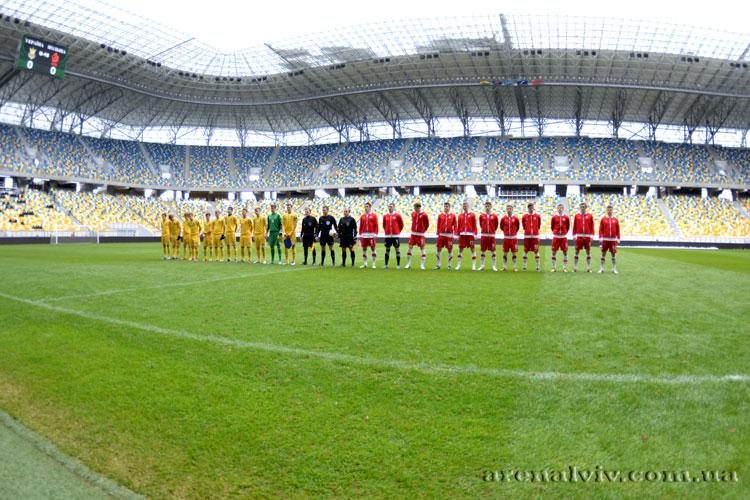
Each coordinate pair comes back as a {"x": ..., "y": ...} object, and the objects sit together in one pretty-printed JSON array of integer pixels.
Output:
[{"x": 126, "y": 70}]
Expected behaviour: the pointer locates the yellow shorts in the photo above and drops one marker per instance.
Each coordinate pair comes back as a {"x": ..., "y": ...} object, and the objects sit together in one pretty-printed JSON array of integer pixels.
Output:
[
  {"x": 291, "y": 237},
  {"x": 245, "y": 241},
  {"x": 196, "y": 241},
  {"x": 165, "y": 240},
  {"x": 230, "y": 240},
  {"x": 208, "y": 240},
  {"x": 260, "y": 240}
]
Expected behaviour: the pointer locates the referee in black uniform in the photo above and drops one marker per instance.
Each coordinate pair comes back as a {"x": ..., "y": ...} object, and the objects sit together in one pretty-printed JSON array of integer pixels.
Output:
[
  {"x": 309, "y": 230},
  {"x": 326, "y": 223},
  {"x": 347, "y": 236}
]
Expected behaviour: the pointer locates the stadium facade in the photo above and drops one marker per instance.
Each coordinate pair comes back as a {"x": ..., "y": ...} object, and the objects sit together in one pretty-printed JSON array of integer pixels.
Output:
[{"x": 370, "y": 103}]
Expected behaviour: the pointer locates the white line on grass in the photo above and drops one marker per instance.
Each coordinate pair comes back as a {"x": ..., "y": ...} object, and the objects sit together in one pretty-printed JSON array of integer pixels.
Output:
[
  {"x": 431, "y": 368},
  {"x": 108, "y": 486},
  {"x": 169, "y": 285}
]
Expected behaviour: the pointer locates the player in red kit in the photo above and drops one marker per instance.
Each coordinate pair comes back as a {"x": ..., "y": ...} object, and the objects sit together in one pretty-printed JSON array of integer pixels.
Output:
[
  {"x": 488, "y": 224},
  {"x": 467, "y": 233},
  {"x": 560, "y": 226},
  {"x": 368, "y": 234},
  {"x": 509, "y": 225},
  {"x": 447, "y": 229},
  {"x": 532, "y": 223},
  {"x": 583, "y": 232},
  {"x": 392, "y": 226},
  {"x": 419, "y": 224},
  {"x": 609, "y": 235}
]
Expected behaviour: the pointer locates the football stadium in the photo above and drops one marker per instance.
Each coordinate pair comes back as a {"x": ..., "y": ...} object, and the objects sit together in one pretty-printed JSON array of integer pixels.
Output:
[{"x": 487, "y": 255}]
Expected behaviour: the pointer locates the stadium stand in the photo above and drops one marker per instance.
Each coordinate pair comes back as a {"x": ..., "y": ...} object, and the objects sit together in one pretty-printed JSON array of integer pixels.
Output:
[
  {"x": 32, "y": 210},
  {"x": 298, "y": 165},
  {"x": 707, "y": 217},
  {"x": 62, "y": 154},
  {"x": 100, "y": 212},
  {"x": 209, "y": 167},
  {"x": 122, "y": 160},
  {"x": 517, "y": 160},
  {"x": 638, "y": 215},
  {"x": 361, "y": 162},
  {"x": 171, "y": 155},
  {"x": 438, "y": 160},
  {"x": 433, "y": 161},
  {"x": 13, "y": 157}
]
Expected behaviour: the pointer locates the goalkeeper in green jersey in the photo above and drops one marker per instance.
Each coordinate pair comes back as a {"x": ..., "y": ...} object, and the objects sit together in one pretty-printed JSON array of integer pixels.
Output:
[{"x": 274, "y": 231}]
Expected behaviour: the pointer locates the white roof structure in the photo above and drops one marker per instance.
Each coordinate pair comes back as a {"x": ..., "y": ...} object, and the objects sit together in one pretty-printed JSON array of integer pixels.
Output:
[{"x": 129, "y": 71}]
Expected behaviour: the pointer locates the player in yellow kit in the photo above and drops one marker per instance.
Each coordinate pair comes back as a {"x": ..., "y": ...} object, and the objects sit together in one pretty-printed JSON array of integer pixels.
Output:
[
  {"x": 260, "y": 226},
  {"x": 164, "y": 225},
  {"x": 289, "y": 228},
  {"x": 187, "y": 236},
  {"x": 218, "y": 230},
  {"x": 230, "y": 234},
  {"x": 208, "y": 241},
  {"x": 174, "y": 236},
  {"x": 246, "y": 236},
  {"x": 195, "y": 233}
]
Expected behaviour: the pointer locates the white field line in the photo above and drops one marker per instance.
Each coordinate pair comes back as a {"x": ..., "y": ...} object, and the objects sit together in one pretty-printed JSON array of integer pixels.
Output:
[
  {"x": 114, "y": 291},
  {"x": 424, "y": 367},
  {"x": 109, "y": 487}
]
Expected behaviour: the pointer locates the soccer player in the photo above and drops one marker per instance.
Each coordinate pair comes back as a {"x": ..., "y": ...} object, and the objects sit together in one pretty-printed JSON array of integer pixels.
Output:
[
  {"x": 309, "y": 230},
  {"x": 195, "y": 236},
  {"x": 488, "y": 224},
  {"x": 289, "y": 225},
  {"x": 420, "y": 222},
  {"x": 246, "y": 236},
  {"x": 347, "y": 236},
  {"x": 560, "y": 226},
  {"x": 274, "y": 231},
  {"x": 532, "y": 223},
  {"x": 467, "y": 233},
  {"x": 509, "y": 225},
  {"x": 609, "y": 234},
  {"x": 326, "y": 223},
  {"x": 187, "y": 236},
  {"x": 392, "y": 226},
  {"x": 164, "y": 226},
  {"x": 583, "y": 232},
  {"x": 218, "y": 231},
  {"x": 260, "y": 226},
  {"x": 447, "y": 229},
  {"x": 208, "y": 241},
  {"x": 230, "y": 234},
  {"x": 368, "y": 234},
  {"x": 174, "y": 236}
]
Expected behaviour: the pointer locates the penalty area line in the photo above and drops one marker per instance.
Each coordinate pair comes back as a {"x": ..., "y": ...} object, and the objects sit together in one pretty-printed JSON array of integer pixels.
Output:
[
  {"x": 424, "y": 367},
  {"x": 103, "y": 483}
]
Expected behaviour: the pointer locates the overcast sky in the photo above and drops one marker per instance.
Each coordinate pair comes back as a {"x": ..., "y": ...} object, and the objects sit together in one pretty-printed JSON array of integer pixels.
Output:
[{"x": 226, "y": 24}]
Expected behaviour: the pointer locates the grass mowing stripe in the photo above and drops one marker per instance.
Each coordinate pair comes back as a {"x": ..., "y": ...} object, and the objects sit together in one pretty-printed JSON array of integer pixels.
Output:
[
  {"x": 108, "y": 486},
  {"x": 167, "y": 285},
  {"x": 390, "y": 363}
]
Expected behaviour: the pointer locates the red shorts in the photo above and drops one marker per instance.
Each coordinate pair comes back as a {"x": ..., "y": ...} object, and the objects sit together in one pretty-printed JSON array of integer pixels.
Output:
[
  {"x": 610, "y": 246},
  {"x": 417, "y": 241},
  {"x": 531, "y": 245},
  {"x": 465, "y": 242},
  {"x": 487, "y": 243},
  {"x": 445, "y": 242},
  {"x": 367, "y": 243},
  {"x": 510, "y": 245},
  {"x": 583, "y": 243},
  {"x": 560, "y": 244}
]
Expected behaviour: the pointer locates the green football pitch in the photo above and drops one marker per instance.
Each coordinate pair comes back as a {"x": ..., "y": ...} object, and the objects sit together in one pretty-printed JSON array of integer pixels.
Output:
[{"x": 197, "y": 380}]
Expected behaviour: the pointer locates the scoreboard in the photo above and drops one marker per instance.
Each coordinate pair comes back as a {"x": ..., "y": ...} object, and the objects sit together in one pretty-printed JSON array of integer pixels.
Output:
[{"x": 41, "y": 56}]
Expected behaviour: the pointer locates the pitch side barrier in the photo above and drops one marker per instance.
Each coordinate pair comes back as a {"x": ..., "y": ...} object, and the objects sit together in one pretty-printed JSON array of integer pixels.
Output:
[{"x": 629, "y": 242}]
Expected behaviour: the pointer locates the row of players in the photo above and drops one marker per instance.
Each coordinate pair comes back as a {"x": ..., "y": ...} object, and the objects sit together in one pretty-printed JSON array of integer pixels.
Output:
[{"x": 220, "y": 233}]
